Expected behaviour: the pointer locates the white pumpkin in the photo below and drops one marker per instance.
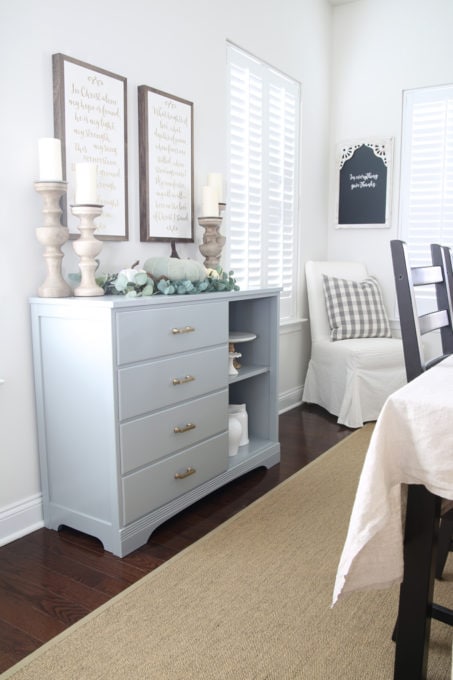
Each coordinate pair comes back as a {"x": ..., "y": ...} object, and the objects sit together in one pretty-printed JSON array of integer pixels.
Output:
[
  {"x": 130, "y": 274},
  {"x": 175, "y": 269}
]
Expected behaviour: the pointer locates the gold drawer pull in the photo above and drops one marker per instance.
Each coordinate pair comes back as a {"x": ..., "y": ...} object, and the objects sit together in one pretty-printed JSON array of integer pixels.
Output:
[
  {"x": 185, "y": 329},
  {"x": 186, "y": 428},
  {"x": 181, "y": 381},
  {"x": 187, "y": 473}
]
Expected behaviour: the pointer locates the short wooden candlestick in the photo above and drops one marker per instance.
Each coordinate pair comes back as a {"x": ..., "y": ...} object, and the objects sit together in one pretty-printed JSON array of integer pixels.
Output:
[
  {"x": 87, "y": 247},
  {"x": 213, "y": 241},
  {"x": 52, "y": 235}
]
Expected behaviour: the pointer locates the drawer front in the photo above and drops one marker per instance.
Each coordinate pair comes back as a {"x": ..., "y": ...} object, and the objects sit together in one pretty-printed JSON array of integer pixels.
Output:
[
  {"x": 150, "y": 333},
  {"x": 155, "y": 385},
  {"x": 152, "y": 437},
  {"x": 148, "y": 489}
]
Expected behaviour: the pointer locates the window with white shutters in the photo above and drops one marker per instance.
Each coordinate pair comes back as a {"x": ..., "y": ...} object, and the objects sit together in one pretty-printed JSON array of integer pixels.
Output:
[
  {"x": 426, "y": 191},
  {"x": 263, "y": 167}
]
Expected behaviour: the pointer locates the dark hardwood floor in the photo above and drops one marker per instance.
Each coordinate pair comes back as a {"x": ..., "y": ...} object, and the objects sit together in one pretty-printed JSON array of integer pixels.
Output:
[{"x": 49, "y": 580}]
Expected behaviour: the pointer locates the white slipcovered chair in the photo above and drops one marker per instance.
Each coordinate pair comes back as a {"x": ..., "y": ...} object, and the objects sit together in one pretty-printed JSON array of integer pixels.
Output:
[{"x": 350, "y": 378}]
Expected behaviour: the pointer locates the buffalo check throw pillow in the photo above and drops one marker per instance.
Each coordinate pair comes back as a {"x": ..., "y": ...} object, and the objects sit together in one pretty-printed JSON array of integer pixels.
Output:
[{"x": 355, "y": 308}]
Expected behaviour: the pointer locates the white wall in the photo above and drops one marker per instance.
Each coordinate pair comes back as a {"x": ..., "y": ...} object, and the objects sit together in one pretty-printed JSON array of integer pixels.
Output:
[
  {"x": 380, "y": 48},
  {"x": 178, "y": 47}
]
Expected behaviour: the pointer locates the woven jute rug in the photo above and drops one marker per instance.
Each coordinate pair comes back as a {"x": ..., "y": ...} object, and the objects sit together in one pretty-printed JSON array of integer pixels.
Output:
[{"x": 250, "y": 601}]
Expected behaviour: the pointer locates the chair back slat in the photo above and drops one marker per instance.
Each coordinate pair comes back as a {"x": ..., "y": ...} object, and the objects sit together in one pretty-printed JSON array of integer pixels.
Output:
[
  {"x": 424, "y": 276},
  {"x": 433, "y": 321}
]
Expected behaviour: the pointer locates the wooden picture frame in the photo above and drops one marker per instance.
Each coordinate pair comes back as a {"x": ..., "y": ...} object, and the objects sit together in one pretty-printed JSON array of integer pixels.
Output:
[
  {"x": 363, "y": 184},
  {"x": 90, "y": 119},
  {"x": 166, "y": 166}
]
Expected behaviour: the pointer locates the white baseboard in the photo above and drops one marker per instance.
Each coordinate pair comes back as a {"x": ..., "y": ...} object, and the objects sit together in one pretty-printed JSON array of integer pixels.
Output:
[
  {"x": 20, "y": 519},
  {"x": 290, "y": 399}
]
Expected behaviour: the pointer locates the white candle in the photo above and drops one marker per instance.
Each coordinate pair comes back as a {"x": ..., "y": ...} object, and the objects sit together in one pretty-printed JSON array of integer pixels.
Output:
[
  {"x": 49, "y": 152},
  {"x": 86, "y": 192},
  {"x": 215, "y": 179},
  {"x": 209, "y": 202}
]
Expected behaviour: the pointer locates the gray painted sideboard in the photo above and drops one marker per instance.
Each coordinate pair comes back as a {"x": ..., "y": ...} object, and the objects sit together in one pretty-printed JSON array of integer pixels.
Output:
[{"x": 132, "y": 405}]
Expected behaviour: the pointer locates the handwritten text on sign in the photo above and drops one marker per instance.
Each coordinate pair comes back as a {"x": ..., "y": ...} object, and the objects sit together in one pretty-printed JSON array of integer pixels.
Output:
[
  {"x": 95, "y": 133},
  {"x": 364, "y": 181},
  {"x": 170, "y": 167}
]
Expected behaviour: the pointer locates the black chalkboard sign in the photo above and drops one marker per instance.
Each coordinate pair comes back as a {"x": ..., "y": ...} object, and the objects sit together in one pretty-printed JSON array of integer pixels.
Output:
[{"x": 363, "y": 182}]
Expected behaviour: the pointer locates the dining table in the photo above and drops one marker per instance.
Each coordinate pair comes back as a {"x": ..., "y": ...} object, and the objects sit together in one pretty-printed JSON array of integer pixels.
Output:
[{"x": 405, "y": 484}]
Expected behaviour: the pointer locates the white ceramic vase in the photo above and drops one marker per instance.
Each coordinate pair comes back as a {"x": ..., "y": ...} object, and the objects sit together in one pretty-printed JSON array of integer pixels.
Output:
[
  {"x": 234, "y": 434},
  {"x": 240, "y": 411}
]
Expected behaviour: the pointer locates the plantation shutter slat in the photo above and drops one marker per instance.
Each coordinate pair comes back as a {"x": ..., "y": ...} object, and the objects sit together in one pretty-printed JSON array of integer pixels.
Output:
[
  {"x": 263, "y": 148},
  {"x": 426, "y": 211}
]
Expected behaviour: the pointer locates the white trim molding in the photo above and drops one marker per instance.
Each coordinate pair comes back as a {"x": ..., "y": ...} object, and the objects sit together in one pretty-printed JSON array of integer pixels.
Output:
[
  {"x": 20, "y": 519},
  {"x": 292, "y": 326},
  {"x": 395, "y": 328},
  {"x": 290, "y": 399}
]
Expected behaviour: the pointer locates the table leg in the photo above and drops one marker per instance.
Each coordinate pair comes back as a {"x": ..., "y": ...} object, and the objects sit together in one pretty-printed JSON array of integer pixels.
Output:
[{"x": 416, "y": 592}]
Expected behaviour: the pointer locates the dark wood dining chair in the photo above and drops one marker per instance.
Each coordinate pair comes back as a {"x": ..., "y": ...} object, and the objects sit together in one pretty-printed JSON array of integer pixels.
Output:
[
  {"x": 423, "y": 528},
  {"x": 414, "y": 326},
  {"x": 441, "y": 257}
]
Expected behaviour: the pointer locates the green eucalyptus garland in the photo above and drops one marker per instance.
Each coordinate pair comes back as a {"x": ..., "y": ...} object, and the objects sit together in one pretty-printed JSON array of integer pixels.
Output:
[{"x": 139, "y": 283}]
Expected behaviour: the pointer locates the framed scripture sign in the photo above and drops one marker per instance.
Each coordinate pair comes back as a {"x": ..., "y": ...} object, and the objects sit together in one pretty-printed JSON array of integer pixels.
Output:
[
  {"x": 90, "y": 118},
  {"x": 363, "y": 184},
  {"x": 166, "y": 166}
]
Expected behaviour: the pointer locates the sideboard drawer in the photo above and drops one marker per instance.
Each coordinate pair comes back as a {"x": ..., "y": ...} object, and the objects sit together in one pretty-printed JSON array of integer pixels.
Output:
[
  {"x": 155, "y": 385},
  {"x": 157, "y": 484},
  {"x": 148, "y": 333},
  {"x": 152, "y": 437}
]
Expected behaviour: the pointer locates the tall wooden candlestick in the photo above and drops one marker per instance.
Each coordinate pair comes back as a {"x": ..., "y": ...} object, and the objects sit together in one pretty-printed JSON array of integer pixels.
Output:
[
  {"x": 213, "y": 241},
  {"x": 52, "y": 235},
  {"x": 87, "y": 247}
]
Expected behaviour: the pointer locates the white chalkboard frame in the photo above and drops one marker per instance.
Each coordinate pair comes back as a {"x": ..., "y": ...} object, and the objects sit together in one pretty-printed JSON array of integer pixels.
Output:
[
  {"x": 178, "y": 223},
  {"x": 382, "y": 148},
  {"x": 108, "y": 90}
]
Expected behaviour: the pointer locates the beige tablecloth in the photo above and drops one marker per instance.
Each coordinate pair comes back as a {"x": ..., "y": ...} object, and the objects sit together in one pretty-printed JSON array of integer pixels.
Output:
[{"x": 412, "y": 443}]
